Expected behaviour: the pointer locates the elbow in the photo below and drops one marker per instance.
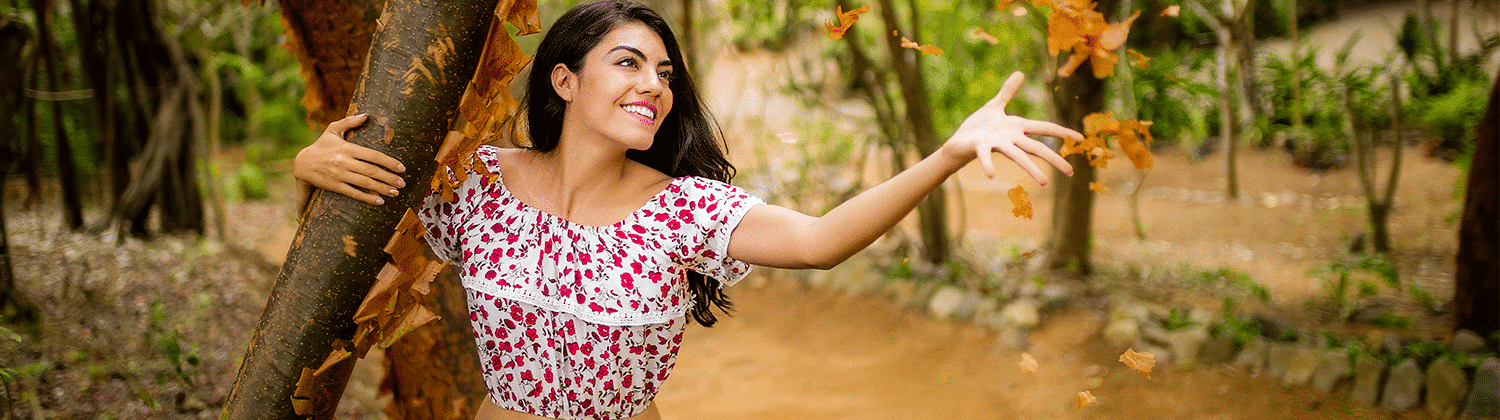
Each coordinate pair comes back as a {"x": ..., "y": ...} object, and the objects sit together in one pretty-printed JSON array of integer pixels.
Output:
[{"x": 825, "y": 262}]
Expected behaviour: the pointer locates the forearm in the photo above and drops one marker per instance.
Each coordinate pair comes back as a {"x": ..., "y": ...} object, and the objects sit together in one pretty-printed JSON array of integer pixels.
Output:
[{"x": 855, "y": 224}]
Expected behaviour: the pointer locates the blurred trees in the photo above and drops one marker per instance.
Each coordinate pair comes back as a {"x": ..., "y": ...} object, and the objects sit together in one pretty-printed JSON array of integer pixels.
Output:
[
  {"x": 1476, "y": 296},
  {"x": 14, "y": 37}
]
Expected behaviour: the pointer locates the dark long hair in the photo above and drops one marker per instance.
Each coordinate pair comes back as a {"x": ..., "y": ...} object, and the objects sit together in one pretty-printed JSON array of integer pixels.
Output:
[{"x": 689, "y": 142}]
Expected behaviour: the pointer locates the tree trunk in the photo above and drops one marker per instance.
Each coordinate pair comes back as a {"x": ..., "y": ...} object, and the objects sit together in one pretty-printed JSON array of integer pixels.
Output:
[
  {"x": 99, "y": 72},
  {"x": 67, "y": 170},
  {"x": 1476, "y": 296},
  {"x": 1296, "y": 63},
  {"x": 14, "y": 306},
  {"x": 1072, "y": 215},
  {"x": 433, "y": 372},
  {"x": 422, "y": 58},
  {"x": 932, "y": 213}
]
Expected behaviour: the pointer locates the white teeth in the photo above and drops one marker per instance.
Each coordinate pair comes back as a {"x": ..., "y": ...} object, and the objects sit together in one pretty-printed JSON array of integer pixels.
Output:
[{"x": 641, "y": 110}]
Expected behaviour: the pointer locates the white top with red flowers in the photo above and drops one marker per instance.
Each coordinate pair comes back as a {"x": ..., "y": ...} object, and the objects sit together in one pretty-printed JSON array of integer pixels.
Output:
[{"x": 575, "y": 321}]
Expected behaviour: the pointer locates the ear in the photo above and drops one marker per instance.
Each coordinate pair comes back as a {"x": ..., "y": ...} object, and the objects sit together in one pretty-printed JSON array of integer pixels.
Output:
[{"x": 564, "y": 82}]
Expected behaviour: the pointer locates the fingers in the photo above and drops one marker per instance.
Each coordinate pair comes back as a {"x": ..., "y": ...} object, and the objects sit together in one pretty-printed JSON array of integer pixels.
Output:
[
  {"x": 371, "y": 177},
  {"x": 371, "y": 155},
  {"x": 982, "y": 151},
  {"x": 1046, "y": 153},
  {"x": 1019, "y": 156},
  {"x": 346, "y": 123},
  {"x": 1008, "y": 90},
  {"x": 1048, "y": 128},
  {"x": 358, "y": 194}
]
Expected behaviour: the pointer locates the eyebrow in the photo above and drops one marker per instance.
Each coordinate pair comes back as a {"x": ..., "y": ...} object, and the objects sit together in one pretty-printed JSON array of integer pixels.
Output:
[{"x": 640, "y": 54}]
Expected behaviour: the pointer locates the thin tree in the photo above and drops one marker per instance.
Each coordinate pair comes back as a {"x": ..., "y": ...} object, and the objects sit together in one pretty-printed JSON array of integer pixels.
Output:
[
  {"x": 337, "y": 250},
  {"x": 1233, "y": 27},
  {"x": 1364, "y": 144},
  {"x": 67, "y": 170},
  {"x": 14, "y": 35},
  {"x": 1476, "y": 295},
  {"x": 932, "y": 213}
]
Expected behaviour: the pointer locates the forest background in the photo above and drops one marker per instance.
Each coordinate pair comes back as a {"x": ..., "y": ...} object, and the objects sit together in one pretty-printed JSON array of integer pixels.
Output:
[{"x": 139, "y": 222}]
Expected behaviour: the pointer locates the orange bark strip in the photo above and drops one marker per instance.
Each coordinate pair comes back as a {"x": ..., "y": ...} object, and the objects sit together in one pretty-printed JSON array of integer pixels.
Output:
[
  {"x": 350, "y": 246},
  {"x": 846, "y": 20}
]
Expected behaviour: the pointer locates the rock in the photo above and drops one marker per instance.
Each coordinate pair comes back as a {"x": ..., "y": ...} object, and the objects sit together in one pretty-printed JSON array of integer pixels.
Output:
[
  {"x": 1333, "y": 367},
  {"x": 1187, "y": 344},
  {"x": 1055, "y": 294},
  {"x": 1279, "y": 358},
  {"x": 1304, "y": 364},
  {"x": 1023, "y": 312},
  {"x": 947, "y": 302},
  {"x": 1272, "y": 325},
  {"x": 1218, "y": 350},
  {"x": 1368, "y": 372},
  {"x": 1467, "y": 341},
  {"x": 1484, "y": 392},
  {"x": 1122, "y": 332},
  {"x": 1152, "y": 332},
  {"x": 1403, "y": 389},
  {"x": 1446, "y": 387},
  {"x": 1253, "y": 355}
]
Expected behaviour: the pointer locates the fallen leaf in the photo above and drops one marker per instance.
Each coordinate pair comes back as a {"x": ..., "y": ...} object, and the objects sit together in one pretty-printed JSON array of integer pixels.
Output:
[
  {"x": 1029, "y": 364},
  {"x": 1140, "y": 361},
  {"x": 1098, "y": 187},
  {"x": 349, "y": 245},
  {"x": 986, "y": 36},
  {"x": 1172, "y": 11},
  {"x": 1018, "y": 199},
  {"x": 1030, "y": 254},
  {"x": 925, "y": 49},
  {"x": 846, "y": 20},
  {"x": 1086, "y": 398}
]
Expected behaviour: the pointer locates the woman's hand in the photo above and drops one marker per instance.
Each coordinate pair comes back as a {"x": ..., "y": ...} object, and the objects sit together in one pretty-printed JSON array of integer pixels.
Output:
[
  {"x": 990, "y": 129},
  {"x": 334, "y": 164}
]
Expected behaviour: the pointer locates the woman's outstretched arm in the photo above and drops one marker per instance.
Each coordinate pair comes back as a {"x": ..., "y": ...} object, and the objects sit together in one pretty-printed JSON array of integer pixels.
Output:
[{"x": 780, "y": 237}]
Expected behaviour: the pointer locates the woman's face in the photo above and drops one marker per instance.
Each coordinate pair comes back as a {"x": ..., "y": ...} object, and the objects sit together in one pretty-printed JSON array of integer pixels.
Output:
[{"x": 622, "y": 93}]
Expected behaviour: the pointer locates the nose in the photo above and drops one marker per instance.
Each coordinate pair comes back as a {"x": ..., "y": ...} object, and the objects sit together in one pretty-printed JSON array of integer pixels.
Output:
[{"x": 652, "y": 85}]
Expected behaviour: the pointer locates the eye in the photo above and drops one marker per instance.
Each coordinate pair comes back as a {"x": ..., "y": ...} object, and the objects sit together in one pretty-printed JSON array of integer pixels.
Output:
[
  {"x": 627, "y": 62},
  {"x": 666, "y": 75}
]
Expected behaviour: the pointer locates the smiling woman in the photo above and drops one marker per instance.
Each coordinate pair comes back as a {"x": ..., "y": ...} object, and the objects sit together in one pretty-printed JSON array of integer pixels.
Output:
[{"x": 584, "y": 253}]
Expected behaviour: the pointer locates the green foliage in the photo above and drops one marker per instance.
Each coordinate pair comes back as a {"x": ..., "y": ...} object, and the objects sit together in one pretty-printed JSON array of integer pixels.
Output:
[
  {"x": 1338, "y": 275},
  {"x": 172, "y": 345},
  {"x": 1448, "y": 94},
  {"x": 757, "y": 24},
  {"x": 1391, "y": 320},
  {"x": 1424, "y": 298},
  {"x": 1168, "y": 101},
  {"x": 251, "y": 181},
  {"x": 1177, "y": 319},
  {"x": 1240, "y": 330},
  {"x": 1236, "y": 278}
]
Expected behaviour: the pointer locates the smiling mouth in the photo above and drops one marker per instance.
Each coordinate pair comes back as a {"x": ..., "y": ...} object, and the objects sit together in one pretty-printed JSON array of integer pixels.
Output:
[{"x": 641, "y": 110}]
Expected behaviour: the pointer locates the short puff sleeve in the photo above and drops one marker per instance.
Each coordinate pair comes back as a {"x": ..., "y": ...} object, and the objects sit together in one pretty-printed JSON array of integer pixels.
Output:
[{"x": 714, "y": 209}]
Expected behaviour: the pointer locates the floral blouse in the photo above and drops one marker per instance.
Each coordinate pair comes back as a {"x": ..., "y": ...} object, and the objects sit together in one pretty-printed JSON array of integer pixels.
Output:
[{"x": 575, "y": 321}]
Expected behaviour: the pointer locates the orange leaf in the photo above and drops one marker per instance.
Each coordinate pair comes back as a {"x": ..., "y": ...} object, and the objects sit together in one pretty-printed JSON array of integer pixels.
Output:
[
  {"x": 1098, "y": 187},
  {"x": 986, "y": 36},
  {"x": 1100, "y": 122},
  {"x": 1140, "y": 361},
  {"x": 1030, "y": 254},
  {"x": 1029, "y": 364},
  {"x": 846, "y": 20},
  {"x": 1086, "y": 398},
  {"x": 925, "y": 49},
  {"x": 1141, "y": 60},
  {"x": 1018, "y": 199},
  {"x": 1115, "y": 35}
]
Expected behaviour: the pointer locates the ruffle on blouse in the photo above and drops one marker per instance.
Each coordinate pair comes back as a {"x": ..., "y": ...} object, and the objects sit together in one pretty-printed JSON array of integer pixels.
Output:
[{"x": 629, "y": 273}]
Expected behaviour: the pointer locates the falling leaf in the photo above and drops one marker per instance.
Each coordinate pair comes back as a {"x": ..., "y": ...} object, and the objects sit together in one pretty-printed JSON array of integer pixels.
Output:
[
  {"x": 1029, "y": 364},
  {"x": 1142, "y": 362},
  {"x": 846, "y": 20},
  {"x": 1141, "y": 60},
  {"x": 1018, "y": 199},
  {"x": 1098, "y": 187},
  {"x": 1086, "y": 398},
  {"x": 1134, "y": 137},
  {"x": 349, "y": 245},
  {"x": 1172, "y": 11},
  {"x": 986, "y": 36},
  {"x": 1074, "y": 26},
  {"x": 925, "y": 49},
  {"x": 1030, "y": 254}
]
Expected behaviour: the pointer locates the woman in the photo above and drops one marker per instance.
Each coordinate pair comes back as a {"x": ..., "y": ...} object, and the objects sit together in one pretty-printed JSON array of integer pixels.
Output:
[{"x": 586, "y": 252}]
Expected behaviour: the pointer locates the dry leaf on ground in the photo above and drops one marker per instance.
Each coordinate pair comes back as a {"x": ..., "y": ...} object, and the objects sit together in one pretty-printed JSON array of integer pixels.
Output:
[
  {"x": 1140, "y": 361},
  {"x": 1028, "y": 364},
  {"x": 1086, "y": 398}
]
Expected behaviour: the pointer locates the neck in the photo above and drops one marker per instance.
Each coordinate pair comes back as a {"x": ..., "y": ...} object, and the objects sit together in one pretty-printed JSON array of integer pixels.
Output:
[{"x": 579, "y": 171}]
